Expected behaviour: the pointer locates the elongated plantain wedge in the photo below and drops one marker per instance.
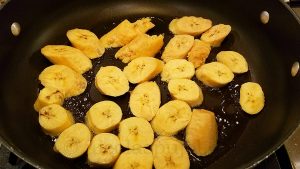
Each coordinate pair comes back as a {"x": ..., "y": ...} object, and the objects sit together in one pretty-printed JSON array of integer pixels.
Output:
[
  {"x": 119, "y": 36},
  {"x": 199, "y": 53},
  {"x": 125, "y": 32},
  {"x": 202, "y": 132},
  {"x": 141, "y": 26},
  {"x": 142, "y": 45},
  {"x": 68, "y": 56}
]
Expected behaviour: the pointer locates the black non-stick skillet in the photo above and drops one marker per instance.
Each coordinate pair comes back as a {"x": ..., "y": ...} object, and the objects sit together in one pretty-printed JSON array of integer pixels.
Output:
[{"x": 266, "y": 32}]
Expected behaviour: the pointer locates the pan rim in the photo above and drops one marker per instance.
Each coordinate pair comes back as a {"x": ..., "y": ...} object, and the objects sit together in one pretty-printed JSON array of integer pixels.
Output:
[
  {"x": 292, "y": 131},
  {"x": 251, "y": 164},
  {"x": 18, "y": 153},
  {"x": 291, "y": 11},
  {"x": 12, "y": 148},
  {"x": 275, "y": 148}
]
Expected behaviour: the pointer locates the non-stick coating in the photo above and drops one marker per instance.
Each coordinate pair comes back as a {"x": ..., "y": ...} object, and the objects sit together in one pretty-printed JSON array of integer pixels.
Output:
[{"x": 269, "y": 49}]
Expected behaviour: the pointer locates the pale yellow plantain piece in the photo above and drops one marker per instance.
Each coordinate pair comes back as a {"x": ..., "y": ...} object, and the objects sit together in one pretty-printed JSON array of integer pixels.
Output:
[
  {"x": 68, "y": 56},
  {"x": 142, "y": 45}
]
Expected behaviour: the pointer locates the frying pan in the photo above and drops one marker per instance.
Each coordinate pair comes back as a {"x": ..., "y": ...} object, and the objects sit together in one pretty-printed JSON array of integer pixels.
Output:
[{"x": 244, "y": 140}]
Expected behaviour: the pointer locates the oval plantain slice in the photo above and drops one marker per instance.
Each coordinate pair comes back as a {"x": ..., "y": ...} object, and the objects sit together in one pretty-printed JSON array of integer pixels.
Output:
[
  {"x": 54, "y": 119},
  {"x": 86, "y": 41},
  {"x": 235, "y": 61},
  {"x": 169, "y": 153},
  {"x": 104, "y": 150},
  {"x": 64, "y": 79},
  {"x": 74, "y": 141},
  {"x": 214, "y": 74},
  {"x": 216, "y": 34},
  {"x": 48, "y": 96},
  {"x": 189, "y": 25},
  {"x": 252, "y": 99},
  {"x": 178, "y": 47}
]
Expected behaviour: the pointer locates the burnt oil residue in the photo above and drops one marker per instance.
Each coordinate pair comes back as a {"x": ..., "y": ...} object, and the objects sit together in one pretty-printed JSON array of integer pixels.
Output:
[{"x": 224, "y": 102}]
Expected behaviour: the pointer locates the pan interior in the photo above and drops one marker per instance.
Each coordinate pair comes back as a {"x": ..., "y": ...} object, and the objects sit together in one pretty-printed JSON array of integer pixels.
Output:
[{"x": 242, "y": 138}]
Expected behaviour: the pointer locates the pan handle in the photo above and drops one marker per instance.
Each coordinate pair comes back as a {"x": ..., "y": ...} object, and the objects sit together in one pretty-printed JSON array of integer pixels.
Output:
[{"x": 293, "y": 3}]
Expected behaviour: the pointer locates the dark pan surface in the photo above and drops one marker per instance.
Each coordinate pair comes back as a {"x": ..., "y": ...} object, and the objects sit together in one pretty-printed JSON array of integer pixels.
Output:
[{"x": 243, "y": 139}]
